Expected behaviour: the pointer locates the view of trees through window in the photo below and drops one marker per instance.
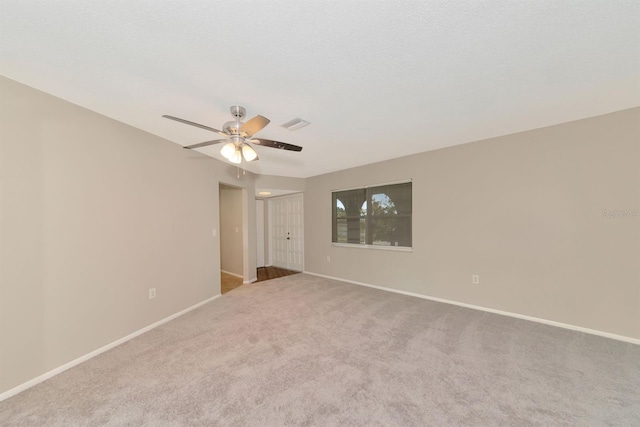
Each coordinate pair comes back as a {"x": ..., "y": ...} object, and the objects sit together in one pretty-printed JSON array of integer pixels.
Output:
[{"x": 386, "y": 223}]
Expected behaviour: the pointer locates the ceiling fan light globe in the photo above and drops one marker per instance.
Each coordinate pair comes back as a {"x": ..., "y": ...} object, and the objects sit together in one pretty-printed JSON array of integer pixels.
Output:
[
  {"x": 236, "y": 157},
  {"x": 228, "y": 150},
  {"x": 249, "y": 153}
]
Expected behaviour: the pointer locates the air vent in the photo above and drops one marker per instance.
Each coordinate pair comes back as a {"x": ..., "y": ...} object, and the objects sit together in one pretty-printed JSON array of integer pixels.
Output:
[{"x": 295, "y": 124}]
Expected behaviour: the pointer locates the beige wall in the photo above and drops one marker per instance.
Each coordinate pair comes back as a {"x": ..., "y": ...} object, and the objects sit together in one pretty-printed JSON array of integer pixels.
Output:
[
  {"x": 231, "y": 230},
  {"x": 524, "y": 211},
  {"x": 296, "y": 185},
  {"x": 93, "y": 213}
]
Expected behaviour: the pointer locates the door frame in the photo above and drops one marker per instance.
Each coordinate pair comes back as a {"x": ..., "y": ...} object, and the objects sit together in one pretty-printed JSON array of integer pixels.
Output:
[{"x": 261, "y": 233}]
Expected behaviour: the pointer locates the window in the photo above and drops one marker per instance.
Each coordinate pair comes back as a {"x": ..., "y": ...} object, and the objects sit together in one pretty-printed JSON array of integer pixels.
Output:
[{"x": 378, "y": 216}]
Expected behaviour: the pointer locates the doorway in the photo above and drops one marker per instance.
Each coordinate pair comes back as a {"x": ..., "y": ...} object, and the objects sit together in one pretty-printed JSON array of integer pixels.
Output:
[
  {"x": 286, "y": 218},
  {"x": 232, "y": 236}
]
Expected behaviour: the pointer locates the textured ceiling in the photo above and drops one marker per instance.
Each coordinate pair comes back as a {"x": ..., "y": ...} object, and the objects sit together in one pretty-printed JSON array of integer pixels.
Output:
[{"x": 377, "y": 79}]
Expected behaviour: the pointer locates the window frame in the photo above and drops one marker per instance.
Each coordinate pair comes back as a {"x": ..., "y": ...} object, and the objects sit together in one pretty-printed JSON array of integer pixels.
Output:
[{"x": 369, "y": 190}]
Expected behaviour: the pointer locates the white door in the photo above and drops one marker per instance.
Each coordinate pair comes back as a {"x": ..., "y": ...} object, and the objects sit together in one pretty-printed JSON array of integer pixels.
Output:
[
  {"x": 279, "y": 232},
  {"x": 295, "y": 217},
  {"x": 287, "y": 232}
]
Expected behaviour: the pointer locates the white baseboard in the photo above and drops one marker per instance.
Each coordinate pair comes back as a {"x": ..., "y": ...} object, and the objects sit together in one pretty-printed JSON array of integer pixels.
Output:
[
  {"x": 246, "y": 282},
  {"x": 232, "y": 274},
  {"x": 491, "y": 310},
  {"x": 37, "y": 380}
]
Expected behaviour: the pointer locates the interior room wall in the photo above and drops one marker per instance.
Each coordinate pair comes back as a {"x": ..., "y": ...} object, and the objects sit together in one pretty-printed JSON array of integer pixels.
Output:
[
  {"x": 93, "y": 213},
  {"x": 231, "y": 230},
  {"x": 547, "y": 218},
  {"x": 296, "y": 185}
]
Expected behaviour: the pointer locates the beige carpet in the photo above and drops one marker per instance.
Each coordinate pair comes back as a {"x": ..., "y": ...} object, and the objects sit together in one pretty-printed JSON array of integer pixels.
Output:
[{"x": 302, "y": 350}]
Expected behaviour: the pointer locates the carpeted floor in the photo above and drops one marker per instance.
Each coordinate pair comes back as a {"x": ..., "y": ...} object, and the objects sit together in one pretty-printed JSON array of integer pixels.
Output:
[{"x": 302, "y": 350}]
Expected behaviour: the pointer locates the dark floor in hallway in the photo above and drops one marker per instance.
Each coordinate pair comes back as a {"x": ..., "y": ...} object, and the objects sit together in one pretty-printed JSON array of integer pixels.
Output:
[
  {"x": 268, "y": 273},
  {"x": 229, "y": 282}
]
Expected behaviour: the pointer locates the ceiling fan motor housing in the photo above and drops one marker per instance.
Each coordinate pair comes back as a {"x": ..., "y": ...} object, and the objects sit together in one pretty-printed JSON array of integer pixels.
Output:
[{"x": 232, "y": 127}]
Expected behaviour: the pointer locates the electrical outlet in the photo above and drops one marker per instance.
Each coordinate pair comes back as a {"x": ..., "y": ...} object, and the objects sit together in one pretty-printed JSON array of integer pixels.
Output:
[
  {"x": 328, "y": 258},
  {"x": 152, "y": 293},
  {"x": 475, "y": 279},
  {"x": 214, "y": 232}
]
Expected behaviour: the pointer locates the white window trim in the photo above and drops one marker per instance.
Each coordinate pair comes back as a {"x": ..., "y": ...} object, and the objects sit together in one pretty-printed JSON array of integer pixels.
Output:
[
  {"x": 382, "y": 184},
  {"x": 375, "y": 247}
]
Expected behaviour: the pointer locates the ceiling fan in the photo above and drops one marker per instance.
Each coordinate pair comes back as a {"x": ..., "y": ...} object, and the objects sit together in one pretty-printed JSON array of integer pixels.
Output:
[{"x": 238, "y": 135}]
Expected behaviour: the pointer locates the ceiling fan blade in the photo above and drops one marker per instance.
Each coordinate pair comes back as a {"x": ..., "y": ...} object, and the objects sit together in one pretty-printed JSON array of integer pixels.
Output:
[
  {"x": 198, "y": 125},
  {"x": 204, "y": 144},
  {"x": 253, "y": 126},
  {"x": 276, "y": 144}
]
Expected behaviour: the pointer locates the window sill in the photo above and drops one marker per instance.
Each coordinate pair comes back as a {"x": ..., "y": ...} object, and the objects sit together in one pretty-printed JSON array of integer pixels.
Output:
[{"x": 375, "y": 247}]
